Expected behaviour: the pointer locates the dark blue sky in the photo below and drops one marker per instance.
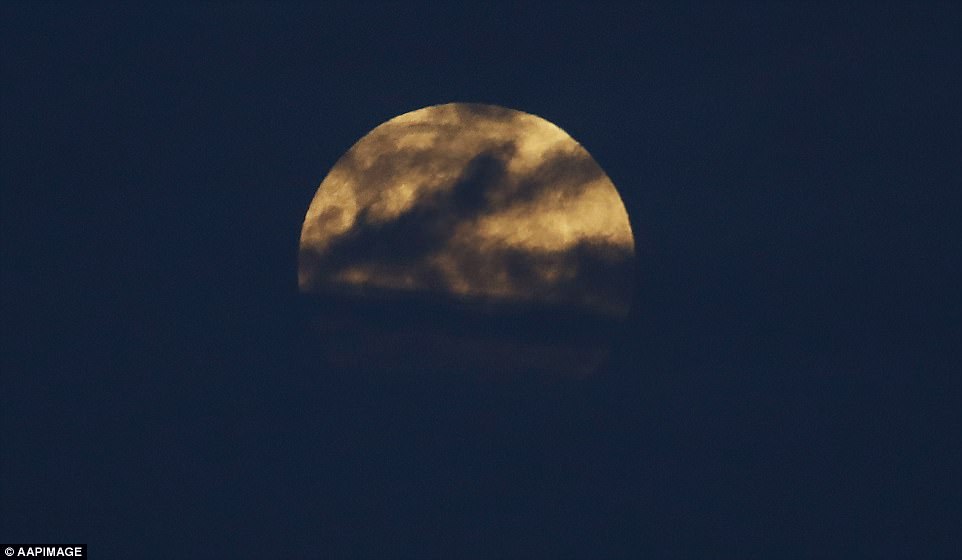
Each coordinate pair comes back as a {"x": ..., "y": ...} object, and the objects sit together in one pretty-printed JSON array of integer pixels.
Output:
[{"x": 788, "y": 384}]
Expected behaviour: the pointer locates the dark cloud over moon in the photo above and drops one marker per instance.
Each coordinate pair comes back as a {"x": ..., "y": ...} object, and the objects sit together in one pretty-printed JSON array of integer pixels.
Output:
[
  {"x": 477, "y": 207},
  {"x": 475, "y": 201}
]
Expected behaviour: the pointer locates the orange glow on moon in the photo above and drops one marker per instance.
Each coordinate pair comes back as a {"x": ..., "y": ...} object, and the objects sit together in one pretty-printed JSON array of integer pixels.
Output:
[{"x": 470, "y": 201}]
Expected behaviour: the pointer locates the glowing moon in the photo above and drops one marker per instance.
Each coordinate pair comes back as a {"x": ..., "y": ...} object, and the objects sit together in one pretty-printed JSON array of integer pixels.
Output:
[{"x": 475, "y": 202}]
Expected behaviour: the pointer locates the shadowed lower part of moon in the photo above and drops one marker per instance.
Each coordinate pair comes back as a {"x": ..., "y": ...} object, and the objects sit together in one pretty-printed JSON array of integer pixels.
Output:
[{"x": 466, "y": 238}]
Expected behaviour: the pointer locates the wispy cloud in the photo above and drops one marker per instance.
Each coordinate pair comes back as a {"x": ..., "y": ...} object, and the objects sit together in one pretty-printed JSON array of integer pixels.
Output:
[{"x": 471, "y": 200}]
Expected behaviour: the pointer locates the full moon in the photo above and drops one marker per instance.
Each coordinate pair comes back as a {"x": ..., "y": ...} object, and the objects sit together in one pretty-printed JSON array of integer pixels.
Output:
[{"x": 473, "y": 209}]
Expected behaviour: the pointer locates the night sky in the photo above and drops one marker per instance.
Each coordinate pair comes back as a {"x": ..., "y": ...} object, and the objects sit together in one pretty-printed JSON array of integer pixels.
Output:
[{"x": 787, "y": 383}]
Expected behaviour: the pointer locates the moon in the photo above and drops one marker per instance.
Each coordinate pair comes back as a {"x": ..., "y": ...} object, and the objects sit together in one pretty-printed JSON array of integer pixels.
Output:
[{"x": 486, "y": 216}]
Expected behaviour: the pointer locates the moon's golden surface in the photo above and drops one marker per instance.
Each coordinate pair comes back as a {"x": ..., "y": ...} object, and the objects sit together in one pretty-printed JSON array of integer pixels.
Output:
[{"x": 474, "y": 203}]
